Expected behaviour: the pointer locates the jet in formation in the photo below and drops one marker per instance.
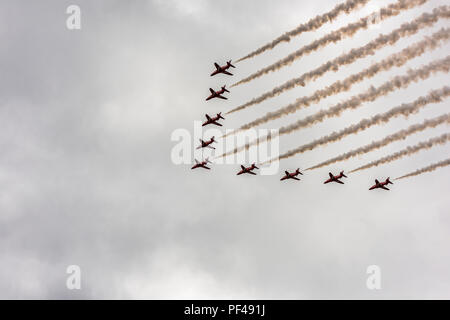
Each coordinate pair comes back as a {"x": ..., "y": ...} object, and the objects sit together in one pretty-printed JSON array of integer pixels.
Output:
[
  {"x": 336, "y": 178},
  {"x": 217, "y": 94},
  {"x": 381, "y": 185},
  {"x": 202, "y": 164},
  {"x": 247, "y": 170},
  {"x": 213, "y": 120},
  {"x": 206, "y": 144},
  {"x": 292, "y": 175},
  {"x": 222, "y": 69}
]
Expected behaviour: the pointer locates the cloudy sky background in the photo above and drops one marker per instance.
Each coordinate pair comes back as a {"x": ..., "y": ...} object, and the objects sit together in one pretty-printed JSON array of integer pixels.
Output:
[{"x": 86, "y": 176}]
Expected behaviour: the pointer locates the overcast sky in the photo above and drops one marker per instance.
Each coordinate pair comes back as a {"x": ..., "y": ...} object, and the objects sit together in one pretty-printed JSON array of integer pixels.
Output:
[{"x": 86, "y": 176}]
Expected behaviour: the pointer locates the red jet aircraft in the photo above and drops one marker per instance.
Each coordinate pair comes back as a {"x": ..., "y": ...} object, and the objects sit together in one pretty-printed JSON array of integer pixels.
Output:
[
  {"x": 217, "y": 94},
  {"x": 247, "y": 170},
  {"x": 381, "y": 185},
  {"x": 213, "y": 120},
  {"x": 206, "y": 144},
  {"x": 223, "y": 69},
  {"x": 336, "y": 178},
  {"x": 201, "y": 164},
  {"x": 292, "y": 175}
]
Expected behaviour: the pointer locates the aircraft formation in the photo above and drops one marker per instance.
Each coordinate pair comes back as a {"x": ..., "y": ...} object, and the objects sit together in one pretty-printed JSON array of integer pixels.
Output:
[
  {"x": 400, "y": 58},
  {"x": 214, "y": 120}
]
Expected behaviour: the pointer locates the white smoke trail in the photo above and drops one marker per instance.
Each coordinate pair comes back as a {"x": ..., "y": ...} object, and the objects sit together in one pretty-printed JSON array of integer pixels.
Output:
[
  {"x": 400, "y": 135},
  {"x": 372, "y": 94},
  {"x": 426, "y": 19},
  {"x": 311, "y": 25},
  {"x": 349, "y": 30},
  {"x": 408, "y": 151},
  {"x": 429, "y": 168},
  {"x": 378, "y": 119},
  {"x": 397, "y": 59},
  {"x": 356, "y": 101}
]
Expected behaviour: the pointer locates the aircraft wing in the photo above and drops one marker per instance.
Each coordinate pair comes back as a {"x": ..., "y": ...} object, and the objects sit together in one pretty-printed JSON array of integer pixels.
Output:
[
  {"x": 212, "y": 91},
  {"x": 226, "y": 72},
  {"x": 295, "y": 178},
  {"x": 216, "y": 65},
  {"x": 339, "y": 181},
  {"x": 208, "y": 117},
  {"x": 242, "y": 167},
  {"x": 383, "y": 187},
  {"x": 331, "y": 175},
  {"x": 250, "y": 172},
  {"x": 216, "y": 123},
  {"x": 221, "y": 97}
]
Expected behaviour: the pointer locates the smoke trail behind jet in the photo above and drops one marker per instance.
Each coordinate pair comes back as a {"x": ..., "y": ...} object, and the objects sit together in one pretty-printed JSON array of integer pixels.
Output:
[
  {"x": 404, "y": 109},
  {"x": 400, "y": 135},
  {"x": 356, "y": 101},
  {"x": 426, "y": 19},
  {"x": 408, "y": 151},
  {"x": 396, "y": 59},
  {"x": 429, "y": 168},
  {"x": 371, "y": 94},
  {"x": 311, "y": 25},
  {"x": 349, "y": 30}
]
